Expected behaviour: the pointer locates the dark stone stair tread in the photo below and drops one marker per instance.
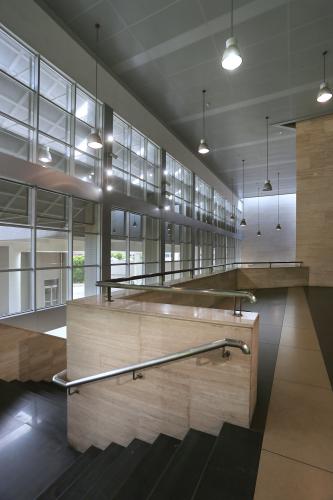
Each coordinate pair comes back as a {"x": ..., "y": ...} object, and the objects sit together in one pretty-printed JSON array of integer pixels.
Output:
[
  {"x": 184, "y": 471},
  {"x": 79, "y": 489},
  {"x": 232, "y": 468},
  {"x": 63, "y": 482},
  {"x": 115, "y": 476},
  {"x": 143, "y": 479}
]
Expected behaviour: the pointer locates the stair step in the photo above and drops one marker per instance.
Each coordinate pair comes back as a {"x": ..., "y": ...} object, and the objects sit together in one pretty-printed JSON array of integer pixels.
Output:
[
  {"x": 113, "y": 477},
  {"x": 79, "y": 467},
  {"x": 231, "y": 471},
  {"x": 83, "y": 484},
  {"x": 148, "y": 472},
  {"x": 183, "y": 472}
]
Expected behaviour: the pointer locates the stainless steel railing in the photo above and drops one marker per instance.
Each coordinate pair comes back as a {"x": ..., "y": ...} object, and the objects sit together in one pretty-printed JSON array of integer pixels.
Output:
[
  {"x": 135, "y": 369},
  {"x": 236, "y": 294}
]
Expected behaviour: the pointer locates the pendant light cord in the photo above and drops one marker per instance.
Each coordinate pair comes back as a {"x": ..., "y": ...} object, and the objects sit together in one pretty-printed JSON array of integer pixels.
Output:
[
  {"x": 278, "y": 197},
  {"x": 267, "y": 146},
  {"x": 324, "y": 57},
  {"x": 204, "y": 114},
  {"x": 258, "y": 208},
  {"x": 232, "y": 18},
  {"x": 243, "y": 188},
  {"x": 97, "y": 26}
]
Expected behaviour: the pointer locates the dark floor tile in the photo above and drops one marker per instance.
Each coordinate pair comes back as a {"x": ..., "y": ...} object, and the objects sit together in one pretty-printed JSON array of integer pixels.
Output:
[
  {"x": 232, "y": 468},
  {"x": 320, "y": 300}
]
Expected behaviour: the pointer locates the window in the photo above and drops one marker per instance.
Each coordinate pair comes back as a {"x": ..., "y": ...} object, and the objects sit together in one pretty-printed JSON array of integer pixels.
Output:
[
  {"x": 45, "y": 270},
  {"x": 135, "y": 244},
  {"x": 178, "y": 250},
  {"x": 203, "y": 201},
  {"x": 136, "y": 165},
  {"x": 61, "y": 126},
  {"x": 178, "y": 186}
]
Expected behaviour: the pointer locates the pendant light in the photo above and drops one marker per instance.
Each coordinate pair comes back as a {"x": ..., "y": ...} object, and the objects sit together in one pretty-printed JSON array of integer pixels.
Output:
[
  {"x": 258, "y": 231},
  {"x": 94, "y": 140},
  {"x": 278, "y": 225},
  {"x": 45, "y": 155},
  {"x": 203, "y": 146},
  {"x": 325, "y": 93},
  {"x": 231, "y": 58},
  {"x": 232, "y": 215},
  {"x": 267, "y": 185},
  {"x": 243, "y": 221}
]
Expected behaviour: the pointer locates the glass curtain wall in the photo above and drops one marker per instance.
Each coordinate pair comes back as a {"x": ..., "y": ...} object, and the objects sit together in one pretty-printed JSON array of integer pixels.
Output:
[
  {"x": 41, "y": 234},
  {"x": 135, "y": 244},
  {"x": 178, "y": 250},
  {"x": 178, "y": 182},
  {"x": 136, "y": 163},
  {"x": 203, "y": 201},
  {"x": 43, "y": 110}
]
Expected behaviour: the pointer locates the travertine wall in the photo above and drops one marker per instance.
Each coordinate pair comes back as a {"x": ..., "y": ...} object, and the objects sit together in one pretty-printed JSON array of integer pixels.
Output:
[
  {"x": 200, "y": 392},
  {"x": 26, "y": 355},
  {"x": 314, "y": 207}
]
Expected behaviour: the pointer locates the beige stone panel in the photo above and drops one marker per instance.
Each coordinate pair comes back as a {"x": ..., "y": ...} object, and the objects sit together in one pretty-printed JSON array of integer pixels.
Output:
[
  {"x": 314, "y": 175},
  {"x": 280, "y": 478},
  {"x": 301, "y": 337},
  {"x": 302, "y": 366},
  {"x": 198, "y": 392},
  {"x": 27, "y": 355},
  {"x": 249, "y": 278},
  {"x": 300, "y": 423}
]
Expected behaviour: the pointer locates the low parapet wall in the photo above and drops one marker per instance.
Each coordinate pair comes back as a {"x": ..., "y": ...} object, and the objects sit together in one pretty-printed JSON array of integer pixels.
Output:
[
  {"x": 27, "y": 355},
  {"x": 200, "y": 392},
  {"x": 275, "y": 277}
]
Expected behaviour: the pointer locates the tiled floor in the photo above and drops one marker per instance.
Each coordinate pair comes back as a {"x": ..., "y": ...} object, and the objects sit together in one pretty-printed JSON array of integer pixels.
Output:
[{"x": 297, "y": 454}]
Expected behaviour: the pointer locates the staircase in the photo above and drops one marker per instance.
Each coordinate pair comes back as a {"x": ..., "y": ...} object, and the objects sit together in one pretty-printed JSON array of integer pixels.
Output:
[{"x": 200, "y": 467}]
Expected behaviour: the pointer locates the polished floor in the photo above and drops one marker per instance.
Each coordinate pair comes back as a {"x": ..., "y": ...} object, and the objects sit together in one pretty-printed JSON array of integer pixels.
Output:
[
  {"x": 294, "y": 413},
  {"x": 297, "y": 453},
  {"x": 33, "y": 447}
]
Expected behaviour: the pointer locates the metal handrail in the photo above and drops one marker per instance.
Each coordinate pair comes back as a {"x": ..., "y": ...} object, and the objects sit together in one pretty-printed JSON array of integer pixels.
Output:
[
  {"x": 235, "y": 294},
  {"x": 300, "y": 262},
  {"x": 60, "y": 379}
]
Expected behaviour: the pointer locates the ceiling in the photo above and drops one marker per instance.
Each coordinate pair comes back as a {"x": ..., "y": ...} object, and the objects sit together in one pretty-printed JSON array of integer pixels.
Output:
[{"x": 168, "y": 51}]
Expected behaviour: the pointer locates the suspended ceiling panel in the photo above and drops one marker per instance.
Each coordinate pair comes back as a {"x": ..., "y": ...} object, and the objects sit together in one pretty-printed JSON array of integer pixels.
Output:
[{"x": 168, "y": 51}]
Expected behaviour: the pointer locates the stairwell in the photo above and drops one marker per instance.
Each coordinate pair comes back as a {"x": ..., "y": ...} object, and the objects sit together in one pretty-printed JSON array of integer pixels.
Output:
[{"x": 36, "y": 461}]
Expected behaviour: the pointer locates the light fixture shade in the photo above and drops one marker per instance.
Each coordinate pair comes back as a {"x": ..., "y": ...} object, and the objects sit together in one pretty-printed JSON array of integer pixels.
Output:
[
  {"x": 243, "y": 222},
  {"x": 325, "y": 93},
  {"x": 203, "y": 147},
  {"x": 232, "y": 217},
  {"x": 278, "y": 227},
  {"x": 94, "y": 140},
  {"x": 258, "y": 232},
  {"x": 45, "y": 155},
  {"x": 231, "y": 58},
  {"x": 267, "y": 186}
]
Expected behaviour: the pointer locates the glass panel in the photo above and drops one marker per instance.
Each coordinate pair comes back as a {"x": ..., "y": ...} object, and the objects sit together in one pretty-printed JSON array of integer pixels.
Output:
[
  {"x": 51, "y": 248},
  {"x": 55, "y": 87},
  {"x": 135, "y": 225},
  {"x": 15, "y": 139},
  {"x": 16, "y": 100},
  {"x": 84, "y": 281},
  {"x": 86, "y": 167},
  {"x": 16, "y": 60},
  {"x": 121, "y": 131},
  {"x": 51, "y": 287},
  {"x": 85, "y": 107},
  {"x": 118, "y": 223},
  {"x": 85, "y": 249},
  {"x": 15, "y": 247},
  {"x": 54, "y": 121},
  {"x": 15, "y": 292},
  {"x": 60, "y": 153},
  {"x": 52, "y": 209},
  {"x": 82, "y": 131},
  {"x": 138, "y": 143},
  {"x": 14, "y": 203},
  {"x": 85, "y": 215}
]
